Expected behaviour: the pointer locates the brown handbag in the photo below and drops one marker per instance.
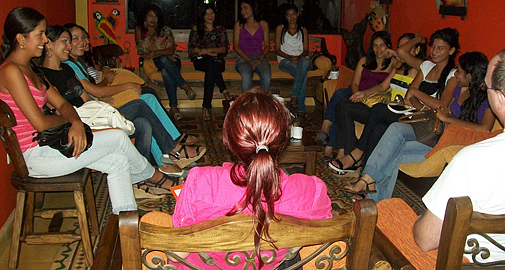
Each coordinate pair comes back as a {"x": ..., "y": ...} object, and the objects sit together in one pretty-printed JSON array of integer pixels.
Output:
[{"x": 427, "y": 127}]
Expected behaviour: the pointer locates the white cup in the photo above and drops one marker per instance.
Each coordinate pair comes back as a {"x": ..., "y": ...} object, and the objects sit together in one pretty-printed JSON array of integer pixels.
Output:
[
  {"x": 280, "y": 99},
  {"x": 275, "y": 95},
  {"x": 296, "y": 132},
  {"x": 334, "y": 75}
]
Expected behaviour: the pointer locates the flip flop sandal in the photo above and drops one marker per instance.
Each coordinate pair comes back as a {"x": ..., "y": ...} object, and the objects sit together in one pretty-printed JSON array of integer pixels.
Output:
[
  {"x": 184, "y": 138},
  {"x": 186, "y": 160},
  {"x": 155, "y": 188},
  {"x": 327, "y": 159},
  {"x": 362, "y": 192}
]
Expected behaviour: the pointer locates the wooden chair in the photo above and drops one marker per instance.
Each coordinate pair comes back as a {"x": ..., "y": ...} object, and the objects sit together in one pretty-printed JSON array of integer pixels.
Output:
[
  {"x": 108, "y": 55},
  {"x": 79, "y": 183},
  {"x": 460, "y": 220},
  {"x": 233, "y": 233}
]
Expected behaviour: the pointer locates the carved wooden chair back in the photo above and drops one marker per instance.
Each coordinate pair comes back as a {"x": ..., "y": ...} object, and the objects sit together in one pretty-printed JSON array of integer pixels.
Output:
[
  {"x": 460, "y": 221},
  {"x": 234, "y": 233},
  {"x": 108, "y": 55},
  {"x": 79, "y": 183}
]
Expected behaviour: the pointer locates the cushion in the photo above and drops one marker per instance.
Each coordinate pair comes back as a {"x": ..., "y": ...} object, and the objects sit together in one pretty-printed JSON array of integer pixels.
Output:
[
  {"x": 457, "y": 135},
  {"x": 323, "y": 62},
  {"x": 432, "y": 166},
  {"x": 150, "y": 67},
  {"x": 123, "y": 76}
]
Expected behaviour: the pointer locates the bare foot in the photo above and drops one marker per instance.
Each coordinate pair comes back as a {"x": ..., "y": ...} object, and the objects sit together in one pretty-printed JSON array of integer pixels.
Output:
[{"x": 328, "y": 151}]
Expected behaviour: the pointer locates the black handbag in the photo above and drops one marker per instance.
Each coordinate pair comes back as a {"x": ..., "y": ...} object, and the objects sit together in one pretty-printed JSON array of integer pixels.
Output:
[
  {"x": 57, "y": 138},
  {"x": 427, "y": 127}
]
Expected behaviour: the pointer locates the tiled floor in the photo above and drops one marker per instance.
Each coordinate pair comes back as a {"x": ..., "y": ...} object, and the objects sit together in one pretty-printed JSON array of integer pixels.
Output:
[{"x": 47, "y": 256}]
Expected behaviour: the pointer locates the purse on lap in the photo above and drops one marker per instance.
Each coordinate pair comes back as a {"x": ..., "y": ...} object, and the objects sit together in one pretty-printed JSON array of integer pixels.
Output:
[
  {"x": 427, "y": 127},
  {"x": 377, "y": 97},
  {"x": 57, "y": 138}
]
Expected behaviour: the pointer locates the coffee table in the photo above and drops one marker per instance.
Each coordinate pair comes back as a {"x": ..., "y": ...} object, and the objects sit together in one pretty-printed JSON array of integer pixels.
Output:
[{"x": 302, "y": 152}]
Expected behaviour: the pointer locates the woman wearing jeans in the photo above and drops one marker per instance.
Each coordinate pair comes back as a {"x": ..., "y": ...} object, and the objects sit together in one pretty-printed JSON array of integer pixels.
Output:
[
  {"x": 248, "y": 37},
  {"x": 155, "y": 41},
  {"x": 207, "y": 46},
  {"x": 292, "y": 48}
]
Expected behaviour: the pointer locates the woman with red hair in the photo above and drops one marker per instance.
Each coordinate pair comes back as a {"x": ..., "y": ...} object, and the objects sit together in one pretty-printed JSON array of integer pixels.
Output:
[{"x": 255, "y": 130}]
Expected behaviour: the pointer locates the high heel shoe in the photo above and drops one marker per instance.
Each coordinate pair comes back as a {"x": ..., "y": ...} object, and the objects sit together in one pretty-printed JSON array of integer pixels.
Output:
[
  {"x": 340, "y": 168},
  {"x": 206, "y": 114},
  {"x": 361, "y": 192},
  {"x": 181, "y": 157}
]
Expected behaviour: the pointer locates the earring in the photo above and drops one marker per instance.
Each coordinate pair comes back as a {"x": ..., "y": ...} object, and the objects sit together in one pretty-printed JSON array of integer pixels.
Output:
[
  {"x": 22, "y": 46},
  {"x": 49, "y": 53}
]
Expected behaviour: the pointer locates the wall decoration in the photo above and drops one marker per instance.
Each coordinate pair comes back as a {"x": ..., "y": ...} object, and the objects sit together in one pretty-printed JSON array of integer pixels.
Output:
[
  {"x": 452, "y": 8},
  {"x": 106, "y": 26}
]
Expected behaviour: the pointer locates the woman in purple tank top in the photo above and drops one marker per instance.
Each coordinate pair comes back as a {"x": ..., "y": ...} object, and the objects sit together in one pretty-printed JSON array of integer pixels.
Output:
[{"x": 251, "y": 42}]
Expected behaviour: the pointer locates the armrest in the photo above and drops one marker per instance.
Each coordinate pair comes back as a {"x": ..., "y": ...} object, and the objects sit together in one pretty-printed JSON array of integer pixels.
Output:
[
  {"x": 392, "y": 254},
  {"x": 130, "y": 240}
]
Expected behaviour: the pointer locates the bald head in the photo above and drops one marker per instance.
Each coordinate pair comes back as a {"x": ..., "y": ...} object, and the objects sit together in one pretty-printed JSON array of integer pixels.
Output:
[{"x": 495, "y": 82}]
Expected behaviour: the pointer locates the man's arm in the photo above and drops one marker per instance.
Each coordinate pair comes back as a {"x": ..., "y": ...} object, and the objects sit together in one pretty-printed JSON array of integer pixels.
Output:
[{"x": 427, "y": 230}]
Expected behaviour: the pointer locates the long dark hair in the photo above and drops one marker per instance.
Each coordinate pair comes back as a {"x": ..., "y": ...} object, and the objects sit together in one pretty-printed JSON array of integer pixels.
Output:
[
  {"x": 421, "y": 54},
  {"x": 255, "y": 9},
  {"x": 451, "y": 37},
  {"x": 143, "y": 14},
  {"x": 474, "y": 63},
  {"x": 200, "y": 26},
  {"x": 371, "y": 61},
  {"x": 53, "y": 33},
  {"x": 21, "y": 20},
  {"x": 257, "y": 119},
  {"x": 285, "y": 23}
]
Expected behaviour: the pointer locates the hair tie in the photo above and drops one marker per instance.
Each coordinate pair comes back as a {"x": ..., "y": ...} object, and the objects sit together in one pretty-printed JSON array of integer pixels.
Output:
[
  {"x": 261, "y": 147},
  {"x": 5, "y": 40}
]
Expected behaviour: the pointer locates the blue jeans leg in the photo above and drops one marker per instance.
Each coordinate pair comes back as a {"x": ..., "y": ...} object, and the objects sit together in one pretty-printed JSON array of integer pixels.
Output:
[
  {"x": 143, "y": 136},
  {"x": 265, "y": 72},
  {"x": 299, "y": 73},
  {"x": 339, "y": 95},
  {"x": 246, "y": 73},
  {"x": 171, "y": 75},
  {"x": 397, "y": 146},
  {"x": 112, "y": 152}
]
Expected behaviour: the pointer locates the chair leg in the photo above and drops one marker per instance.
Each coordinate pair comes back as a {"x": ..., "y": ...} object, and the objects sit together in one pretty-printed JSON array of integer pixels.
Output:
[
  {"x": 16, "y": 230},
  {"x": 39, "y": 200},
  {"x": 28, "y": 214},
  {"x": 83, "y": 227},
  {"x": 90, "y": 202}
]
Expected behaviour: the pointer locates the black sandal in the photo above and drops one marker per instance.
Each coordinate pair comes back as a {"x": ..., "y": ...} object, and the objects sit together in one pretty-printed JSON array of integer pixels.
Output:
[
  {"x": 186, "y": 160},
  {"x": 361, "y": 192},
  {"x": 156, "y": 187},
  {"x": 340, "y": 166},
  {"x": 184, "y": 138}
]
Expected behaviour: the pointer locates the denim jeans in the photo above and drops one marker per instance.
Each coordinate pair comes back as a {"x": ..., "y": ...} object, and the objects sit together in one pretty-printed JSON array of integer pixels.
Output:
[
  {"x": 246, "y": 72},
  {"x": 112, "y": 152},
  {"x": 339, "y": 95},
  {"x": 397, "y": 146},
  {"x": 151, "y": 98},
  {"x": 299, "y": 73},
  {"x": 171, "y": 74},
  {"x": 138, "y": 111},
  {"x": 346, "y": 113}
]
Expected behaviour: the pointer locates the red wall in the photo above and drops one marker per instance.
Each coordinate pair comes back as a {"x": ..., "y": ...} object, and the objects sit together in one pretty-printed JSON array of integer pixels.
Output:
[
  {"x": 480, "y": 31},
  {"x": 60, "y": 13}
]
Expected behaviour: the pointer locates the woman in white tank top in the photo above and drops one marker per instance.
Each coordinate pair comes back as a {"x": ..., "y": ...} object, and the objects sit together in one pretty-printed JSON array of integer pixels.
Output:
[{"x": 292, "y": 48}]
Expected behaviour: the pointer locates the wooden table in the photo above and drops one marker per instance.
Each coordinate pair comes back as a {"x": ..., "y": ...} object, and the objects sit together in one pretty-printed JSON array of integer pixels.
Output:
[{"x": 302, "y": 152}]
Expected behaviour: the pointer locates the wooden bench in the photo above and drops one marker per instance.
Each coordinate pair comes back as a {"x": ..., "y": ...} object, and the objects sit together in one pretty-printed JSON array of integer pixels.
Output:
[{"x": 281, "y": 81}]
